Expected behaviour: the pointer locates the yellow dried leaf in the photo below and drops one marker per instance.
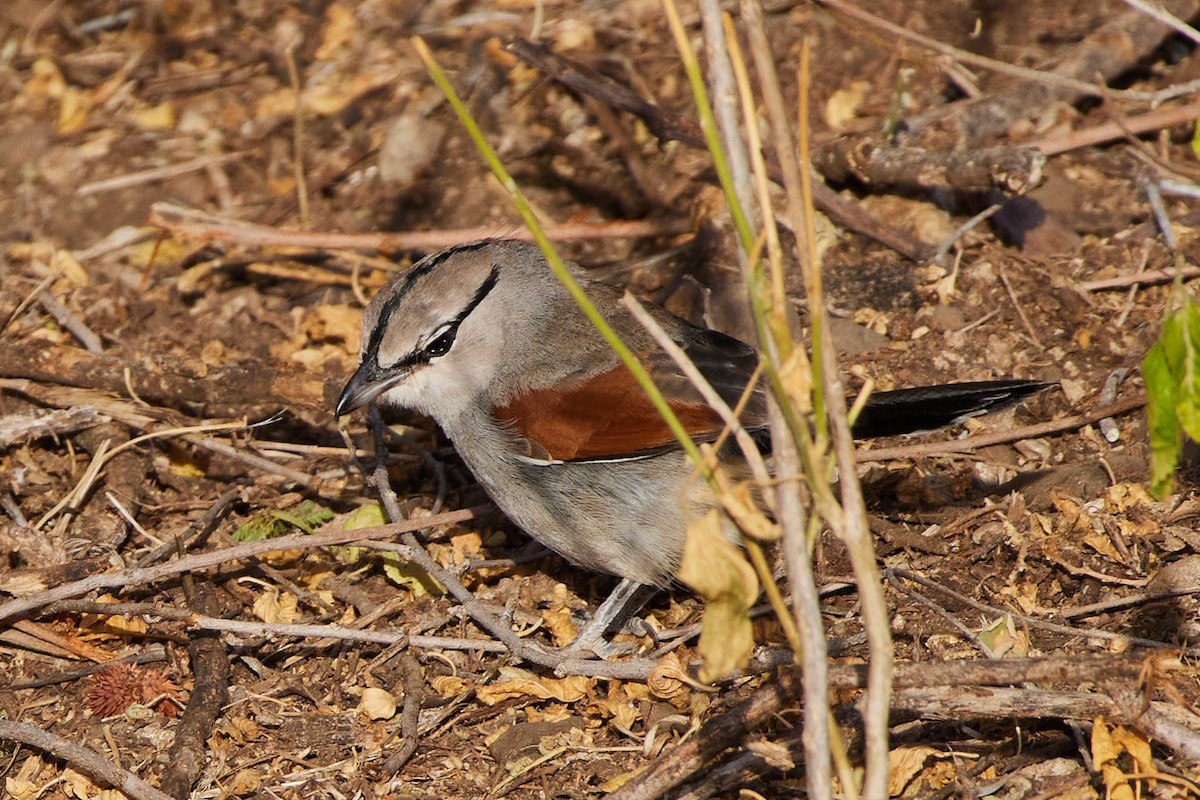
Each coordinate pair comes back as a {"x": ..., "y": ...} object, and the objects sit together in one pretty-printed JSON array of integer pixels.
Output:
[
  {"x": 465, "y": 545},
  {"x": 76, "y": 784},
  {"x": 313, "y": 581},
  {"x": 558, "y": 621},
  {"x": 334, "y": 324},
  {"x": 1102, "y": 545},
  {"x": 525, "y": 684},
  {"x": 246, "y": 783},
  {"x": 19, "y": 789},
  {"x": 181, "y": 463},
  {"x": 45, "y": 81},
  {"x": 1121, "y": 497},
  {"x": 844, "y": 104},
  {"x": 157, "y": 118},
  {"x": 669, "y": 679},
  {"x": 73, "y": 111},
  {"x": 27, "y": 784},
  {"x": 449, "y": 685},
  {"x": 1004, "y": 638},
  {"x": 377, "y": 703},
  {"x": 1142, "y": 529},
  {"x": 65, "y": 264},
  {"x": 739, "y": 503},
  {"x": 906, "y": 763},
  {"x": 1138, "y": 748},
  {"x": 410, "y": 576},
  {"x": 1074, "y": 515},
  {"x": 162, "y": 251},
  {"x": 716, "y": 569},
  {"x": 338, "y": 30},
  {"x": 114, "y": 624},
  {"x": 276, "y": 608},
  {"x": 1105, "y": 752},
  {"x": 368, "y": 515}
]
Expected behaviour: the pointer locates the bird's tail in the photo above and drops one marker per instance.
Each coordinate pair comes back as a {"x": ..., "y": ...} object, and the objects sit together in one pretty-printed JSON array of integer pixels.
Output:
[{"x": 927, "y": 408}]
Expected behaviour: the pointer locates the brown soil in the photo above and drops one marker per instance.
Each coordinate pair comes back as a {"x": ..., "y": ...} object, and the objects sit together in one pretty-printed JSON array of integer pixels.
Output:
[{"x": 193, "y": 331}]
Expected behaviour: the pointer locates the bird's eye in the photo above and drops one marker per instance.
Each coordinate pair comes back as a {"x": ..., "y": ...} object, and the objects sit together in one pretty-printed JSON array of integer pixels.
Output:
[{"x": 442, "y": 343}]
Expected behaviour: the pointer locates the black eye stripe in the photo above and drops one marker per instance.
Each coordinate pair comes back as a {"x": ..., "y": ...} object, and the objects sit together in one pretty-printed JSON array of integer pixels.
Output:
[
  {"x": 445, "y": 340},
  {"x": 420, "y": 270}
]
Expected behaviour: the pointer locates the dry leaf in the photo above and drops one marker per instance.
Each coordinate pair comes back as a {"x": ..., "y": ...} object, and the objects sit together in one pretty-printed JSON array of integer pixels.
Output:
[
  {"x": 716, "y": 569},
  {"x": 276, "y": 607},
  {"x": 739, "y": 503},
  {"x": 27, "y": 784},
  {"x": 338, "y": 30},
  {"x": 844, "y": 104},
  {"x": 1004, "y": 638},
  {"x": 449, "y": 685},
  {"x": 669, "y": 679},
  {"x": 377, "y": 703},
  {"x": 905, "y": 764},
  {"x": 525, "y": 684},
  {"x": 158, "y": 118}
]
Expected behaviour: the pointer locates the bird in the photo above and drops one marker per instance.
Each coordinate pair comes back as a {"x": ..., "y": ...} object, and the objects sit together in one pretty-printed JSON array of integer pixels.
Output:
[{"x": 484, "y": 339}]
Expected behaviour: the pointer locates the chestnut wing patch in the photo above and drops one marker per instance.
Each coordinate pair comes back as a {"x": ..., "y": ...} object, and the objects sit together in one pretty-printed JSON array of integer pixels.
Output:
[{"x": 607, "y": 416}]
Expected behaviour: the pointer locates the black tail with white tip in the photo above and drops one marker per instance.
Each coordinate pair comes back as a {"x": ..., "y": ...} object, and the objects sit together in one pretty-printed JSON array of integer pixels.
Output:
[{"x": 927, "y": 408}]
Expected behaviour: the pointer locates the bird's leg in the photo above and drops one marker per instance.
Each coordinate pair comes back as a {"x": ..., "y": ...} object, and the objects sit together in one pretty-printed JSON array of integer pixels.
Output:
[{"x": 617, "y": 609}]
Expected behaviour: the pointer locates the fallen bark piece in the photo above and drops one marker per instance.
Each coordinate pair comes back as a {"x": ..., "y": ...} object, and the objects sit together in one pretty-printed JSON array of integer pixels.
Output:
[
  {"x": 170, "y": 380},
  {"x": 22, "y": 428},
  {"x": 1009, "y": 169}
]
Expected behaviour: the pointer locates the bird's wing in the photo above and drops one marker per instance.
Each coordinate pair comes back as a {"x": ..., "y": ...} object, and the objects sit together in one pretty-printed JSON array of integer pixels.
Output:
[{"x": 608, "y": 417}]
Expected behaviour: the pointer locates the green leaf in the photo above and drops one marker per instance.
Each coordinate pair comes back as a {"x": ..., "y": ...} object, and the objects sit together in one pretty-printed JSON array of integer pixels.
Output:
[
  {"x": 1196, "y": 139},
  {"x": 1171, "y": 370},
  {"x": 410, "y": 576},
  {"x": 257, "y": 528},
  {"x": 368, "y": 515},
  {"x": 1166, "y": 442},
  {"x": 398, "y": 570},
  {"x": 1187, "y": 370},
  {"x": 306, "y": 516}
]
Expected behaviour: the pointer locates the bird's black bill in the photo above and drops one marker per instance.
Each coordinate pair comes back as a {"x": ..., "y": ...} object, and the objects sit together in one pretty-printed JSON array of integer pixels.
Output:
[
  {"x": 928, "y": 408},
  {"x": 363, "y": 387}
]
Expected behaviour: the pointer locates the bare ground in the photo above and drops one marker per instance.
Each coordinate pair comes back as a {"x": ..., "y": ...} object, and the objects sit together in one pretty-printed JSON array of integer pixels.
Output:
[{"x": 1044, "y": 531}]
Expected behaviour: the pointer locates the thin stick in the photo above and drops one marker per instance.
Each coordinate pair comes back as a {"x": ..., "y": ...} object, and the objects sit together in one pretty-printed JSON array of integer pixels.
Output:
[
  {"x": 967, "y": 57},
  {"x": 1154, "y": 120},
  {"x": 250, "y": 459},
  {"x": 806, "y": 606},
  {"x": 102, "y": 458},
  {"x": 1012, "y": 295},
  {"x": 151, "y": 175},
  {"x": 1166, "y": 18},
  {"x": 86, "y": 760},
  {"x": 28, "y": 300},
  {"x": 1034, "y": 622},
  {"x": 78, "y": 328},
  {"x": 1150, "y": 278},
  {"x": 855, "y": 528},
  {"x": 289, "y": 54},
  {"x": 204, "y": 227},
  {"x": 140, "y": 575}
]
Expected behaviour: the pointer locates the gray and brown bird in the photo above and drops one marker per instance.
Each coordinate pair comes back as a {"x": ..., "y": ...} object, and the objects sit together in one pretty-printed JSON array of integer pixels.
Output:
[{"x": 484, "y": 339}]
